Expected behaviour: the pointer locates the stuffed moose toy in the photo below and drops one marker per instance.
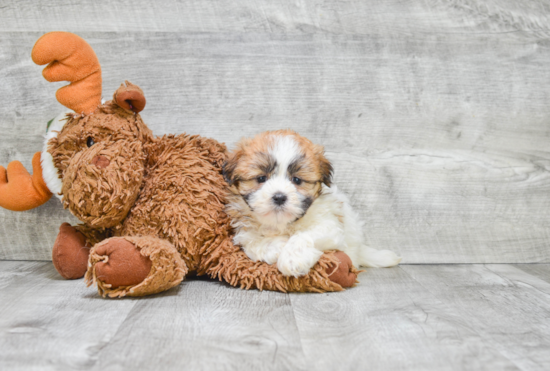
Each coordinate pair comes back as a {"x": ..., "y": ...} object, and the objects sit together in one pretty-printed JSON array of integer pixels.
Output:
[{"x": 152, "y": 208}]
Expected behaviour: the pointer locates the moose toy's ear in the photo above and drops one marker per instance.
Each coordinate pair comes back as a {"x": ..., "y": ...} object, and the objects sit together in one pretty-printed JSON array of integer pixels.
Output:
[{"x": 130, "y": 97}]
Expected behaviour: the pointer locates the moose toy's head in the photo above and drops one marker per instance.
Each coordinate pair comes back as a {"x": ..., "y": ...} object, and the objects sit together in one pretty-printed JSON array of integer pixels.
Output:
[{"x": 94, "y": 157}]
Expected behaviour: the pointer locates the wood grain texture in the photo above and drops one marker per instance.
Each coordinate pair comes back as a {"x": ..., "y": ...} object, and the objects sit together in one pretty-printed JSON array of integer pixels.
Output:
[
  {"x": 208, "y": 326},
  {"x": 434, "y": 113},
  {"x": 507, "y": 307},
  {"x": 454, "y": 317},
  {"x": 279, "y": 16},
  {"x": 391, "y": 322},
  {"x": 541, "y": 271},
  {"x": 48, "y": 323}
]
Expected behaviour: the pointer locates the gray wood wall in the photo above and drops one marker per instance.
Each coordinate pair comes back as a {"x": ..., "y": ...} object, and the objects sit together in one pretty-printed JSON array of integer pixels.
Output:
[{"x": 434, "y": 113}]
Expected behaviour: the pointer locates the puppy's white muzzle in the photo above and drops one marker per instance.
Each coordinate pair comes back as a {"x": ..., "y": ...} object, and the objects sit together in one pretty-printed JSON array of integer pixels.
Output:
[{"x": 277, "y": 202}]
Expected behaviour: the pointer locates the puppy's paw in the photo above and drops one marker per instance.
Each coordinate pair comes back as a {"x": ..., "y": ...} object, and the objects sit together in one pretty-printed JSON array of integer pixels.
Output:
[
  {"x": 266, "y": 250},
  {"x": 273, "y": 249},
  {"x": 298, "y": 256}
]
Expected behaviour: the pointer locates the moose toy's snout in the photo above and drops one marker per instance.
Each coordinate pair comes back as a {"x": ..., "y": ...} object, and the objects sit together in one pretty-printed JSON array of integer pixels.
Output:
[{"x": 101, "y": 161}]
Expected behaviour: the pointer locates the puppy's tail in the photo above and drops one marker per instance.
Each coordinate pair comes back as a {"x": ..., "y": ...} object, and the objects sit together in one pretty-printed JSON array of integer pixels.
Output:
[{"x": 373, "y": 258}]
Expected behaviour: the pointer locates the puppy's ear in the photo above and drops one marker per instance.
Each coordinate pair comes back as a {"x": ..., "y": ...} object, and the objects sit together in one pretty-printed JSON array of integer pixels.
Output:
[
  {"x": 233, "y": 159},
  {"x": 228, "y": 169},
  {"x": 325, "y": 166}
]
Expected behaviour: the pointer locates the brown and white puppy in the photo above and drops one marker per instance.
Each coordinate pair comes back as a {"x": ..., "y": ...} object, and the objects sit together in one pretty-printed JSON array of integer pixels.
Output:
[{"x": 284, "y": 208}]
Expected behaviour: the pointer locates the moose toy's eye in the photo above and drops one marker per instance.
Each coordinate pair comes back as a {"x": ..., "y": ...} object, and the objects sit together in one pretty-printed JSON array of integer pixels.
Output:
[
  {"x": 90, "y": 142},
  {"x": 261, "y": 179},
  {"x": 296, "y": 180}
]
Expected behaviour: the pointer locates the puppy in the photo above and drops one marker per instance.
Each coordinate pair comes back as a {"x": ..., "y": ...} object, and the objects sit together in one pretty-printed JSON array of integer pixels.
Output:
[{"x": 285, "y": 210}]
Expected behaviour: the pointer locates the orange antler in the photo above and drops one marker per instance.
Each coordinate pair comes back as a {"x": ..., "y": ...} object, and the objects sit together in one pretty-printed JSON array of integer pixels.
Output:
[
  {"x": 70, "y": 58},
  {"x": 19, "y": 191}
]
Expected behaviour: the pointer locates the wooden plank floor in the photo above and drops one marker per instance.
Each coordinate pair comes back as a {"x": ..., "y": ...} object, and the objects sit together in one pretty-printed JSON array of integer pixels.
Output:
[{"x": 413, "y": 317}]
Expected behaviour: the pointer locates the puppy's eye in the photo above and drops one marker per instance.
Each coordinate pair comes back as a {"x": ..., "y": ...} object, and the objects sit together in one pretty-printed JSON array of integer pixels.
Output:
[
  {"x": 90, "y": 142},
  {"x": 296, "y": 180},
  {"x": 261, "y": 179}
]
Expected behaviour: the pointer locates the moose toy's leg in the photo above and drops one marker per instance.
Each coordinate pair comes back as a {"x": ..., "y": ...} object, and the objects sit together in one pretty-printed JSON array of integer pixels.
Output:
[
  {"x": 134, "y": 266},
  {"x": 228, "y": 262},
  {"x": 71, "y": 249},
  {"x": 344, "y": 274}
]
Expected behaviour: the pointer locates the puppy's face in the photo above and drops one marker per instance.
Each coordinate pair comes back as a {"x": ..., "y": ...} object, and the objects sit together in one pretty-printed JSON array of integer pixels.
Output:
[{"x": 278, "y": 174}]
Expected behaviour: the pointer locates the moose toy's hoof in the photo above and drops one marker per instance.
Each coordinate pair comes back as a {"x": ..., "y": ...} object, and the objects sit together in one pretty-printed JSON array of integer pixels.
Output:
[
  {"x": 345, "y": 275},
  {"x": 123, "y": 264},
  {"x": 70, "y": 253}
]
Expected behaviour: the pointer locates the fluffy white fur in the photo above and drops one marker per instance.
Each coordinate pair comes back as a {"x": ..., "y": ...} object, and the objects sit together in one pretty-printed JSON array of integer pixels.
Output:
[
  {"x": 49, "y": 171},
  {"x": 294, "y": 240}
]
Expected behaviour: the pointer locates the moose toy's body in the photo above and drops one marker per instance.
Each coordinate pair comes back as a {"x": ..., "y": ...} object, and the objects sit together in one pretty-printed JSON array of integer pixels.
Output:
[{"x": 152, "y": 207}]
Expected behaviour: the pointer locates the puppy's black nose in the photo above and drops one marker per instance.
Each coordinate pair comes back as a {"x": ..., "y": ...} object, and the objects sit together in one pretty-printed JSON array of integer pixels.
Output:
[{"x": 279, "y": 199}]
